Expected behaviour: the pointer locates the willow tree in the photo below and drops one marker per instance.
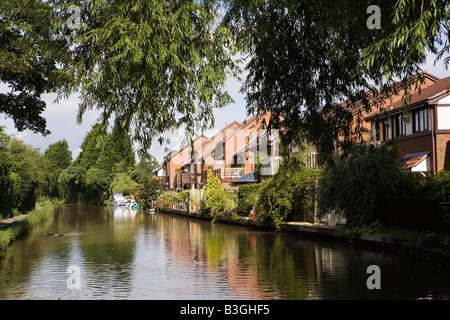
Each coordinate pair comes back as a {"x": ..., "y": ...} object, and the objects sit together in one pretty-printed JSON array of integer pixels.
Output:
[
  {"x": 150, "y": 66},
  {"x": 307, "y": 57}
]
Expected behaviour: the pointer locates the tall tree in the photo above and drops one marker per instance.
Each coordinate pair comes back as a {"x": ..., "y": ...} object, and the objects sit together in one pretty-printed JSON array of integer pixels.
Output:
[
  {"x": 91, "y": 147},
  {"x": 151, "y": 65},
  {"x": 58, "y": 155},
  {"x": 307, "y": 57},
  {"x": 29, "y": 52},
  {"x": 6, "y": 162},
  {"x": 56, "y": 158},
  {"x": 117, "y": 149},
  {"x": 26, "y": 175}
]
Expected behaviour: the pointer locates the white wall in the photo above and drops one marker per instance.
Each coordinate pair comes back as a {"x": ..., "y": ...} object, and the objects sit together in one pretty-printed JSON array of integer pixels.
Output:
[{"x": 443, "y": 116}]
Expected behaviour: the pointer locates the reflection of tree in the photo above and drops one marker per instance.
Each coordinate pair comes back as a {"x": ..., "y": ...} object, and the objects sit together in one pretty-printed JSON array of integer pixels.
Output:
[
  {"x": 108, "y": 251},
  {"x": 278, "y": 266}
]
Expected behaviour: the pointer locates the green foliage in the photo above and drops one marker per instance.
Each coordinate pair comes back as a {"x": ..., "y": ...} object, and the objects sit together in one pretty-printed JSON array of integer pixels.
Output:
[
  {"x": 117, "y": 148},
  {"x": 370, "y": 228},
  {"x": 72, "y": 181},
  {"x": 357, "y": 181},
  {"x": 288, "y": 195},
  {"x": 18, "y": 228},
  {"x": 105, "y": 163},
  {"x": 145, "y": 63},
  {"x": 91, "y": 147},
  {"x": 306, "y": 57},
  {"x": 29, "y": 53},
  {"x": 26, "y": 175},
  {"x": 123, "y": 183},
  {"x": 56, "y": 158},
  {"x": 414, "y": 30},
  {"x": 215, "y": 196},
  {"x": 6, "y": 162},
  {"x": 143, "y": 170},
  {"x": 182, "y": 196},
  {"x": 150, "y": 190},
  {"x": 435, "y": 187},
  {"x": 58, "y": 155},
  {"x": 247, "y": 197},
  {"x": 97, "y": 182}
]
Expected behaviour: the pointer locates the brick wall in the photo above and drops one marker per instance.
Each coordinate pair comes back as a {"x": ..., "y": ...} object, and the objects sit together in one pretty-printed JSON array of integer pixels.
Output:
[
  {"x": 443, "y": 151},
  {"x": 415, "y": 144}
]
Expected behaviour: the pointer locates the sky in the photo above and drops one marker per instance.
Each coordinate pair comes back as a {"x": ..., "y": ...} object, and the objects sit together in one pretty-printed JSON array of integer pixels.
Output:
[{"x": 61, "y": 118}]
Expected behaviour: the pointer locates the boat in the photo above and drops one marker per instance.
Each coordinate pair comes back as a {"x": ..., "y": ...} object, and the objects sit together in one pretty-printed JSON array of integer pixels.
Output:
[{"x": 118, "y": 200}]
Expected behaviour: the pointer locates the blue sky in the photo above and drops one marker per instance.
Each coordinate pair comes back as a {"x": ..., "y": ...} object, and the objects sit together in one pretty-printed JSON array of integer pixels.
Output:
[{"x": 61, "y": 118}]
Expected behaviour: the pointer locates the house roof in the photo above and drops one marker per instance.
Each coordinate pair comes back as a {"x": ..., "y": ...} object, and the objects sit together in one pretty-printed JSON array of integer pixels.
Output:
[
  {"x": 187, "y": 146},
  {"x": 413, "y": 159},
  {"x": 205, "y": 143},
  {"x": 429, "y": 94},
  {"x": 249, "y": 177}
]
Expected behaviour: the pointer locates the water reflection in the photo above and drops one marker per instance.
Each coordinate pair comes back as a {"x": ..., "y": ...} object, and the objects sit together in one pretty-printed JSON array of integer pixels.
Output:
[{"x": 129, "y": 255}]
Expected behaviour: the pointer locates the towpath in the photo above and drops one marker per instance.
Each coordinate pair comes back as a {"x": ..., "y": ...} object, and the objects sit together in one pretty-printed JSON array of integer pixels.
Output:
[{"x": 6, "y": 222}]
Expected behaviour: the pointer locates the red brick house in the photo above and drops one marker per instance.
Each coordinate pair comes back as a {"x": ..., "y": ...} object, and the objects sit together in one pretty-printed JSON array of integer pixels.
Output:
[
  {"x": 422, "y": 130},
  {"x": 230, "y": 153}
]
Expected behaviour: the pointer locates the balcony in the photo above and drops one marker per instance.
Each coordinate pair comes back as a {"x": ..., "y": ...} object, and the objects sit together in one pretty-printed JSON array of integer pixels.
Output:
[
  {"x": 164, "y": 181},
  {"x": 229, "y": 173},
  {"x": 184, "y": 179}
]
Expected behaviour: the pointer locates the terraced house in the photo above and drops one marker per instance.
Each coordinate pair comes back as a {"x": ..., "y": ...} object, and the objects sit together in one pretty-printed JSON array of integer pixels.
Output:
[
  {"x": 230, "y": 154},
  {"x": 422, "y": 130}
]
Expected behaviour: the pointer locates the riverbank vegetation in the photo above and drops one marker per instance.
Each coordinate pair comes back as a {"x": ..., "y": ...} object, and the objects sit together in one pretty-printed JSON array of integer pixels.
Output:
[
  {"x": 348, "y": 190},
  {"x": 105, "y": 165},
  {"x": 18, "y": 228}
]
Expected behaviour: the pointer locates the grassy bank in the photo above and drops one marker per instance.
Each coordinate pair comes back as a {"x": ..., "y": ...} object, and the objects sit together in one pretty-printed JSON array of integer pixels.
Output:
[{"x": 20, "y": 227}]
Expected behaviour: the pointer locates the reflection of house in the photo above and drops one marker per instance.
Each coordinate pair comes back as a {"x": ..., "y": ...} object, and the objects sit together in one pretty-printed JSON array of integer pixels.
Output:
[
  {"x": 230, "y": 154},
  {"x": 423, "y": 130}
]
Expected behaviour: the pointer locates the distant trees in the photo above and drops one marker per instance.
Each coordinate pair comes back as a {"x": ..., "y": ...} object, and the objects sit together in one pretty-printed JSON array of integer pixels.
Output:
[
  {"x": 105, "y": 165},
  {"x": 56, "y": 158},
  {"x": 21, "y": 175}
]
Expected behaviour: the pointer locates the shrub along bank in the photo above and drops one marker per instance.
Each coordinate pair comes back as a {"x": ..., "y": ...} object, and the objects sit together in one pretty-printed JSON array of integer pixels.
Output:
[{"x": 18, "y": 228}]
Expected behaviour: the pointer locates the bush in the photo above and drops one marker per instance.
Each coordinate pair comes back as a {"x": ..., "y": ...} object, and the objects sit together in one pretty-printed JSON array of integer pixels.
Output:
[
  {"x": 215, "y": 196},
  {"x": 353, "y": 186},
  {"x": 182, "y": 197},
  {"x": 247, "y": 197},
  {"x": 150, "y": 191},
  {"x": 436, "y": 187},
  {"x": 289, "y": 195}
]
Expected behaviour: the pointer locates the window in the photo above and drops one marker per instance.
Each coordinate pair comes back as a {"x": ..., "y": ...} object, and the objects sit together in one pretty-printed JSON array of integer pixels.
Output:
[
  {"x": 399, "y": 128},
  {"x": 420, "y": 120},
  {"x": 380, "y": 130},
  {"x": 385, "y": 130}
]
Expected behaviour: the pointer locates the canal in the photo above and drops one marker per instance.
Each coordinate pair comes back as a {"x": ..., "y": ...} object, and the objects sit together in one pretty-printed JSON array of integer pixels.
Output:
[{"x": 113, "y": 254}]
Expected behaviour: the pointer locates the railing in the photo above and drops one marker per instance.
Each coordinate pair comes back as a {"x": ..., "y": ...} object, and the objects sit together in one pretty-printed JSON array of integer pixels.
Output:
[
  {"x": 231, "y": 173},
  {"x": 310, "y": 159},
  {"x": 183, "y": 178}
]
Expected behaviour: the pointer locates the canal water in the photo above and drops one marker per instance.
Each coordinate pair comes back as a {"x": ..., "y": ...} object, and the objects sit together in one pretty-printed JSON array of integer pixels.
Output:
[{"x": 116, "y": 254}]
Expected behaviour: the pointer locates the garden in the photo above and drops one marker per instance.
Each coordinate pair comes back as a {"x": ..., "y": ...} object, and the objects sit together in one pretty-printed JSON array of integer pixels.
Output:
[{"x": 350, "y": 189}]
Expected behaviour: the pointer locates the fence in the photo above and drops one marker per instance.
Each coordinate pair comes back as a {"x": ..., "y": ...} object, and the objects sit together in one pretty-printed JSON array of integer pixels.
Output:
[{"x": 414, "y": 214}]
